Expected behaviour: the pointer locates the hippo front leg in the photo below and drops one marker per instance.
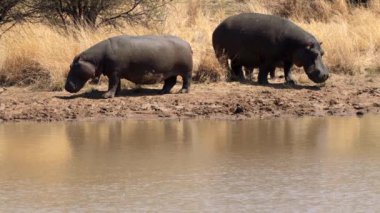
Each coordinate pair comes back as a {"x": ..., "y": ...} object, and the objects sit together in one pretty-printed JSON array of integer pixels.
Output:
[
  {"x": 113, "y": 86},
  {"x": 168, "y": 85},
  {"x": 272, "y": 74},
  {"x": 288, "y": 73},
  {"x": 264, "y": 70}
]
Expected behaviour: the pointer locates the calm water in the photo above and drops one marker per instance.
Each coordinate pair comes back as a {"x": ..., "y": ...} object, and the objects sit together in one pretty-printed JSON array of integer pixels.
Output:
[{"x": 309, "y": 164}]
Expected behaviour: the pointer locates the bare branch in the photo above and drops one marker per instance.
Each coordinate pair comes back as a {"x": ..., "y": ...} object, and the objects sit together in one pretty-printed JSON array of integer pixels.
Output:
[
  {"x": 92, "y": 13},
  {"x": 120, "y": 15}
]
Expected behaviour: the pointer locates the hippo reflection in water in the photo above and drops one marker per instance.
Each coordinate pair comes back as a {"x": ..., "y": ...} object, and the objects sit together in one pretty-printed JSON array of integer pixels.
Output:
[
  {"x": 140, "y": 59},
  {"x": 253, "y": 40}
]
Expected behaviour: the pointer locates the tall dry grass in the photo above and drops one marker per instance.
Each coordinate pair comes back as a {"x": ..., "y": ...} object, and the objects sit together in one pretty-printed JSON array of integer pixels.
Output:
[{"x": 40, "y": 55}]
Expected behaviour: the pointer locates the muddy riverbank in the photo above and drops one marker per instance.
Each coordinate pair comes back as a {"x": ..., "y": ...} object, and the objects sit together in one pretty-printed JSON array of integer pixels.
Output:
[{"x": 341, "y": 95}]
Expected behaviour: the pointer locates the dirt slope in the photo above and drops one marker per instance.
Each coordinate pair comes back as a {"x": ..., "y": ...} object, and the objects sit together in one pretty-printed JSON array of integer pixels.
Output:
[{"x": 341, "y": 95}]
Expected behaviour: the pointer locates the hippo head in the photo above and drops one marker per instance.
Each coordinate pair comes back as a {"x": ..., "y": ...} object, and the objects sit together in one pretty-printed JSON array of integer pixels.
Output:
[
  {"x": 310, "y": 58},
  {"x": 80, "y": 72}
]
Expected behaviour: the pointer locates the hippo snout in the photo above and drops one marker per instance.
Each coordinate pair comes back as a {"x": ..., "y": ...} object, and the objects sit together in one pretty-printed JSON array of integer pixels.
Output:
[
  {"x": 318, "y": 77},
  {"x": 70, "y": 87}
]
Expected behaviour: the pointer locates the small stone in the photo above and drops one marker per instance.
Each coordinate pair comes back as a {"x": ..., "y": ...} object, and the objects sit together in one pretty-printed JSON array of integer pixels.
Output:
[
  {"x": 239, "y": 109},
  {"x": 358, "y": 107},
  {"x": 278, "y": 102},
  {"x": 333, "y": 102},
  {"x": 189, "y": 114},
  {"x": 359, "y": 113},
  {"x": 163, "y": 115}
]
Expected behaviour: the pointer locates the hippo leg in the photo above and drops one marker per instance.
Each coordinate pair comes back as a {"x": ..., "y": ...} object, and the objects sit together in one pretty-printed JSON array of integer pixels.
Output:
[
  {"x": 236, "y": 71},
  {"x": 248, "y": 73},
  {"x": 118, "y": 89},
  {"x": 113, "y": 86},
  {"x": 288, "y": 73},
  {"x": 272, "y": 74},
  {"x": 186, "y": 83},
  {"x": 168, "y": 85},
  {"x": 264, "y": 70},
  {"x": 223, "y": 60},
  {"x": 95, "y": 80}
]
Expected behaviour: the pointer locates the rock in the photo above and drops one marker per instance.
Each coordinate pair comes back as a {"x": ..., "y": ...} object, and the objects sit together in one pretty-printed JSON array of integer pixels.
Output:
[
  {"x": 359, "y": 113},
  {"x": 190, "y": 114},
  {"x": 278, "y": 102},
  {"x": 357, "y": 106},
  {"x": 333, "y": 102},
  {"x": 163, "y": 115},
  {"x": 239, "y": 109}
]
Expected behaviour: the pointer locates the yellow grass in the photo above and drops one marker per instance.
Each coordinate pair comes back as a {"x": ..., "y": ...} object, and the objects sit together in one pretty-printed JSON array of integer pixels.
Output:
[{"x": 39, "y": 54}]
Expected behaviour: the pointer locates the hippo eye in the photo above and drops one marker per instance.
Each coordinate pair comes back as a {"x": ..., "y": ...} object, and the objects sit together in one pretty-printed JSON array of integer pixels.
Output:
[{"x": 314, "y": 53}]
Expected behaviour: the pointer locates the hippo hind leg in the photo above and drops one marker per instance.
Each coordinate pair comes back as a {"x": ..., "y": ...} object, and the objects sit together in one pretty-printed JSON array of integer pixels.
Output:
[
  {"x": 186, "y": 83},
  {"x": 288, "y": 73},
  {"x": 168, "y": 85},
  {"x": 236, "y": 71},
  {"x": 248, "y": 73}
]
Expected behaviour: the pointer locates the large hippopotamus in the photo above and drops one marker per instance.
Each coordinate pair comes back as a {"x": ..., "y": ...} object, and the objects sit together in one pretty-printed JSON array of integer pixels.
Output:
[
  {"x": 140, "y": 59},
  {"x": 253, "y": 40}
]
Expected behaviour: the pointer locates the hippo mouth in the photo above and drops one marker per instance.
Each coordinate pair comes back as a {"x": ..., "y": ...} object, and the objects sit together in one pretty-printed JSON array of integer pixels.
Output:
[
  {"x": 318, "y": 77},
  {"x": 72, "y": 87}
]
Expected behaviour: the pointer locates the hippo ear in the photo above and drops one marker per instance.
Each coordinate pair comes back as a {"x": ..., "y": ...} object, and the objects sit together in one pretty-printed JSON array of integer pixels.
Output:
[{"x": 75, "y": 60}]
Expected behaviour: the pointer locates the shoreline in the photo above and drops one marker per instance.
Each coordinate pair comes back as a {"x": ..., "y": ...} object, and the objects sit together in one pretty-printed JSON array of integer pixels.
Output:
[{"x": 342, "y": 95}]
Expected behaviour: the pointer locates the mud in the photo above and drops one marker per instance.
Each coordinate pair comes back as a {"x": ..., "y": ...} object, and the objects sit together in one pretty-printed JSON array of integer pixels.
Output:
[{"x": 341, "y": 95}]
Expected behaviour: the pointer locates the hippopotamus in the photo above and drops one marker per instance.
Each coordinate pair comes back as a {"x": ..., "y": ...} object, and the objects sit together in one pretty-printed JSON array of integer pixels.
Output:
[
  {"x": 140, "y": 59},
  {"x": 254, "y": 40}
]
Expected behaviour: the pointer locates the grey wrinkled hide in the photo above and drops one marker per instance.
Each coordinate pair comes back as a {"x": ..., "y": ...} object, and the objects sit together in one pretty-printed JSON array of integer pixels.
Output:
[
  {"x": 140, "y": 59},
  {"x": 253, "y": 40}
]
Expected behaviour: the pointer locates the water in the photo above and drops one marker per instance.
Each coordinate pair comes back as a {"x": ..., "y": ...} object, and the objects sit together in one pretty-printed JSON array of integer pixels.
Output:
[{"x": 309, "y": 164}]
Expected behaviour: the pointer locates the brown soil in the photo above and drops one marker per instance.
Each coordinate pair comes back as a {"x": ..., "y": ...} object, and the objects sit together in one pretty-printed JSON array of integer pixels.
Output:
[{"x": 341, "y": 95}]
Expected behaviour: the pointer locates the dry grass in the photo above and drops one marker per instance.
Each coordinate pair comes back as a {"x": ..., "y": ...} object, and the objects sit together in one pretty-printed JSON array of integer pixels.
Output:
[{"x": 39, "y": 55}]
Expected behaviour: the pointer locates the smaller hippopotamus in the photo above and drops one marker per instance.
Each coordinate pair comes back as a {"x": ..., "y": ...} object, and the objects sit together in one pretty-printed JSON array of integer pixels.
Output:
[{"x": 140, "y": 59}]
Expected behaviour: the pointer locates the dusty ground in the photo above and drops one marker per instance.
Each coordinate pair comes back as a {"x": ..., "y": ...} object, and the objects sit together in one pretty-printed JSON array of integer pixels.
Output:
[{"x": 341, "y": 95}]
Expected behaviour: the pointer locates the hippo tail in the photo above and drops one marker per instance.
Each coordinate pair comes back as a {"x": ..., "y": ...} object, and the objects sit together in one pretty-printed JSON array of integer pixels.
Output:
[
  {"x": 190, "y": 48},
  {"x": 221, "y": 55},
  {"x": 217, "y": 43}
]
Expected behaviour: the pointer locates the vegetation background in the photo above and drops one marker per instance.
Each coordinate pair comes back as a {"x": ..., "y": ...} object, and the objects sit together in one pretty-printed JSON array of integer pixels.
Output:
[{"x": 39, "y": 39}]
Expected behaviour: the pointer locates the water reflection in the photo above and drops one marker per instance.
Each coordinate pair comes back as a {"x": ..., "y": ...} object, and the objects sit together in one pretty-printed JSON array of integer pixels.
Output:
[{"x": 309, "y": 163}]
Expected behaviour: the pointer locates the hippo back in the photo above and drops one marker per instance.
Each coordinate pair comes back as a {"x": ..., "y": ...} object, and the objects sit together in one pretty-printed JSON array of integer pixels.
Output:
[
  {"x": 148, "y": 59},
  {"x": 258, "y": 34}
]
